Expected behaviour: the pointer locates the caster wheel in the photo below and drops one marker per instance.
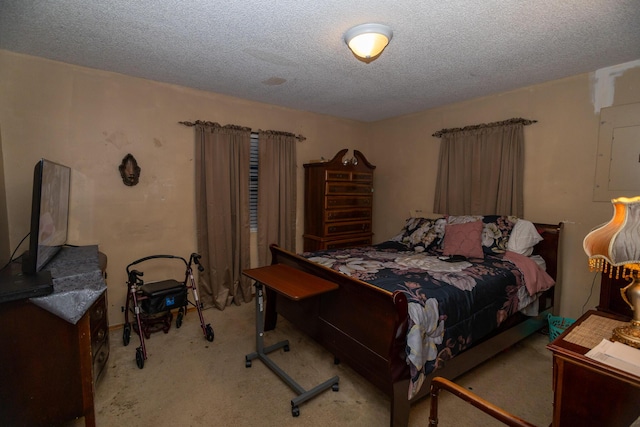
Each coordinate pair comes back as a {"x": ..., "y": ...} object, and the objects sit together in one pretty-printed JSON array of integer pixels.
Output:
[
  {"x": 247, "y": 363},
  {"x": 286, "y": 347},
  {"x": 295, "y": 411},
  {"x": 179, "y": 319},
  {"x": 126, "y": 334},
  {"x": 335, "y": 387},
  {"x": 139, "y": 358},
  {"x": 209, "y": 333}
]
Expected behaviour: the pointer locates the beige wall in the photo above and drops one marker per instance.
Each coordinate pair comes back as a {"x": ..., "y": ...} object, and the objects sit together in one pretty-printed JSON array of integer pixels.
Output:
[
  {"x": 90, "y": 119},
  {"x": 559, "y": 166},
  {"x": 5, "y": 253}
]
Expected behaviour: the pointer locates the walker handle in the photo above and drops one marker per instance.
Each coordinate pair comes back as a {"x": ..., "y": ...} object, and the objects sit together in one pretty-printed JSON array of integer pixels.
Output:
[
  {"x": 196, "y": 259},
  {"x": 133, "y": 276}
]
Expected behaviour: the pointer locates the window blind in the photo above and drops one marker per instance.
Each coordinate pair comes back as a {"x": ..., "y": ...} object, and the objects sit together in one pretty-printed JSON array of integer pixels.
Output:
[{"x": 253, "y": 183}]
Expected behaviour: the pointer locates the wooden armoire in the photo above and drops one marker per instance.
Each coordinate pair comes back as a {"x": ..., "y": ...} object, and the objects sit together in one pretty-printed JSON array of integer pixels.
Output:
[{"x": 338, "y": 202}]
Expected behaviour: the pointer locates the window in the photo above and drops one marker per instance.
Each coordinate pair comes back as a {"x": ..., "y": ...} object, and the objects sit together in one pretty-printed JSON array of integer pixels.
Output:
[{"x": 253, "y": 183}]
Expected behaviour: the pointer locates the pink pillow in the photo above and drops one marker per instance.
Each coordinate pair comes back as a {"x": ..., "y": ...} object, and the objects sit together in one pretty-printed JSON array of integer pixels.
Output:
[{"x": 463, "y": 239}]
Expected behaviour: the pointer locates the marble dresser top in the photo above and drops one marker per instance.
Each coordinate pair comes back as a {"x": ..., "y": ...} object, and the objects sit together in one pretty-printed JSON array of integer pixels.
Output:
[{"x": 77, "y": 282}]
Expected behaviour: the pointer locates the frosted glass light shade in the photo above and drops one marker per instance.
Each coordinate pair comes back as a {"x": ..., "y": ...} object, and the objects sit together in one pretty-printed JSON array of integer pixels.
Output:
[{"x": 368, "y": 40}]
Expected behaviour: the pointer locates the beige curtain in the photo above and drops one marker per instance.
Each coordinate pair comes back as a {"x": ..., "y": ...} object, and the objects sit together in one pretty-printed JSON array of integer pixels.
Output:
[
  {"x": 222, "y": 212},
  {"x": 481, "y": 171},
  {"x": 276, "y": 192}
]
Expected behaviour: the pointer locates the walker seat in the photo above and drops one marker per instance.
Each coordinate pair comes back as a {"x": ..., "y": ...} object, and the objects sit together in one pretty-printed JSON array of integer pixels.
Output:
[{"x": 163, "y": 296}]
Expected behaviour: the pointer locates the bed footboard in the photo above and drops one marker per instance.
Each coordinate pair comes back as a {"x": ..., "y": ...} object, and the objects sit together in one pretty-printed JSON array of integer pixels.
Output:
[{"x": 341, "y": 322}]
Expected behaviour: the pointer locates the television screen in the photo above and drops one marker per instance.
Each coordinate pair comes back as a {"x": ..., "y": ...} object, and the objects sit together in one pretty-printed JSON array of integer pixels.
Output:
[{"x": 49, "y": 214}]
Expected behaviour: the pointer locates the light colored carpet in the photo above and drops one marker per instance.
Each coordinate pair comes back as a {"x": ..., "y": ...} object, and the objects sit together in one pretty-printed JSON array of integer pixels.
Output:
[{"x": 189, "y": 381}]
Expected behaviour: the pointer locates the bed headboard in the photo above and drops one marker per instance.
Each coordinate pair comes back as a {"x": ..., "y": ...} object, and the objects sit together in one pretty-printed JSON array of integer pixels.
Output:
[{"x": 548, "y": 248}]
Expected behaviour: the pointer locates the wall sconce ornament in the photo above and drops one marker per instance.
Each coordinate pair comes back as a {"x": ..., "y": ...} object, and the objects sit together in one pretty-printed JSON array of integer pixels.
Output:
[{"x": 129, "y": 170}]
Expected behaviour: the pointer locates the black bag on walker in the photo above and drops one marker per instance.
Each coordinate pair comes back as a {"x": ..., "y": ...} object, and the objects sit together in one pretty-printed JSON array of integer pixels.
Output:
[{"x": 163, "y": 296}]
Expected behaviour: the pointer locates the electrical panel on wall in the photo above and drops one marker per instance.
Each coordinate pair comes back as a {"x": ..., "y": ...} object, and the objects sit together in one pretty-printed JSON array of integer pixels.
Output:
[{"x": 618, "y": 161}]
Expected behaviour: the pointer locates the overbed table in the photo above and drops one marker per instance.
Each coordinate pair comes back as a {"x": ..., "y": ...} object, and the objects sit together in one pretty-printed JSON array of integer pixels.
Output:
[{"x": 295, "y": 285}]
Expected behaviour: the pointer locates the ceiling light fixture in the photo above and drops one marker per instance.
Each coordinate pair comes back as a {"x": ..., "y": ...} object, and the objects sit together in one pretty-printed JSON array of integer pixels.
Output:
[{"x": 367, "y": 41}]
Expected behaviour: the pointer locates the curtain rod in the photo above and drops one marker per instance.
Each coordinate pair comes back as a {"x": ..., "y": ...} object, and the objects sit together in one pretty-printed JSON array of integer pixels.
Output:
[
  {"x": 525, "y": 122},
  {"x": 277, "y": 132},
  {"x": 214, "y": 124}
]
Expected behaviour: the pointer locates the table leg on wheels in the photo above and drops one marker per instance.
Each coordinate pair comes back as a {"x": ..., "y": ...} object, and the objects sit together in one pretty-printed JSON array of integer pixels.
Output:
[
  {"x": 303, "y": 396},
  {"x": 261, "y": 353}
]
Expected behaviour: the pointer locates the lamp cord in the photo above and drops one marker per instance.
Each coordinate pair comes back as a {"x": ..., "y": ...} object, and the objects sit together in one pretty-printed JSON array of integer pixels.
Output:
[{"x": 590, "y": 292}]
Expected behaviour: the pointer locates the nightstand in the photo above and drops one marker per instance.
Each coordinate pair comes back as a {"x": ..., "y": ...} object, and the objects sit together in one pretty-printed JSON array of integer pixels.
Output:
[{"x": 587, "y": 392}]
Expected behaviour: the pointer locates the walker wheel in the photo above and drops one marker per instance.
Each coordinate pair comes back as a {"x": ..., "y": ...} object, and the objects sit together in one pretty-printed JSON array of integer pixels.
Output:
[
  {"x": 179, "y": 319},
  {"x": 286, "y": 347},
  {"x": 209, "y": 333},
  {"x": 126, "y": 334},
  {"x": 247, "y": 363},
  {"x": 295, "y": 411},
  {"x": 139, "y": 358},
  {"x": 335, "y": 387}
]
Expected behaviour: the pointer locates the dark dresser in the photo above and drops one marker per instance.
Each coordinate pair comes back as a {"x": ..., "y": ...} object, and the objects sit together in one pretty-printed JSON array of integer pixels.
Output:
[
  {"x": 338, "y": 204},
  {"x": 54, "y": 349},
  {"x": 587, "y": 392}
]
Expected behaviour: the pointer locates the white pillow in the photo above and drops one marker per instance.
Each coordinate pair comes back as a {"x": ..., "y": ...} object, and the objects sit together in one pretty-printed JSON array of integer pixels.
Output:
[{"x": 523, "y": 238}]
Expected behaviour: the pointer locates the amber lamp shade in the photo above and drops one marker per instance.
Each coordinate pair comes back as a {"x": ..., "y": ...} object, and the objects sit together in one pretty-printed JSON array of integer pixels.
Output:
[{"x": 614, "y": 249}]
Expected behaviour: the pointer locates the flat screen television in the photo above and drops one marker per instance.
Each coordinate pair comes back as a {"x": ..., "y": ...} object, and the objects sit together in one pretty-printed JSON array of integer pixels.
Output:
[{"x": 49, "y": 214}]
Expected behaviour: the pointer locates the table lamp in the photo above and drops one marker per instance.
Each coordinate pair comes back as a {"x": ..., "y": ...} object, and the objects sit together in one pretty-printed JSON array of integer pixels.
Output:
[{"x": 614, "y": 248}]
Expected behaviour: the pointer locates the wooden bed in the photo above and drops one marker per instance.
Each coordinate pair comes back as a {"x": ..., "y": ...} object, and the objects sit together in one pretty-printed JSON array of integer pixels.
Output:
[{"x": 342, "y": 320}]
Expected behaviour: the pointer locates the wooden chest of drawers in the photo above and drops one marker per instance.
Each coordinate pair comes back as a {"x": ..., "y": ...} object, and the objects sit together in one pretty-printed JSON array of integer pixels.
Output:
[
  {"x": 99, "y": 327},
  {"x": 338, "y": 202},
  {"x": 49, "y": 367}
]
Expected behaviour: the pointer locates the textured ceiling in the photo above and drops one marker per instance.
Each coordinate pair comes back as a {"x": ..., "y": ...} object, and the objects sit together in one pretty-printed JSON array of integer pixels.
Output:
[{"x": 291, "y": 52}]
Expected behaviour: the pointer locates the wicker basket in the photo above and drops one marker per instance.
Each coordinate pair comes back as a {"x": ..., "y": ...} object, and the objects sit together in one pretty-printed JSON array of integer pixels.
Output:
[{"x": 557, "y": 325}]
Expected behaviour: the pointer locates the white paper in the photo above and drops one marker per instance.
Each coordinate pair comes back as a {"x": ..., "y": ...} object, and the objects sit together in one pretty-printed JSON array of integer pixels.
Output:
[{"x": 618, "y": 355}]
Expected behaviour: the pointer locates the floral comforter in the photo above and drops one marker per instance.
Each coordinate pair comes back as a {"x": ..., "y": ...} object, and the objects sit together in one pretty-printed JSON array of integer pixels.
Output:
[{"x": 452, "y": 305}]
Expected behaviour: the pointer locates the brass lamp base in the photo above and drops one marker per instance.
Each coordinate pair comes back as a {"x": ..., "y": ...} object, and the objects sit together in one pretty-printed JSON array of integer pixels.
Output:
[{"x": 628, "y": 334}]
